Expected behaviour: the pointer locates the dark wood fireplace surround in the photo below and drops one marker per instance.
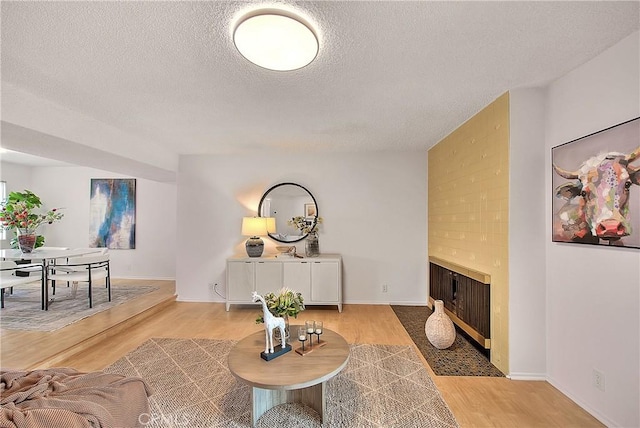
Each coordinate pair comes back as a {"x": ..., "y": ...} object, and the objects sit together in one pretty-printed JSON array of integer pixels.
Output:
[{"x": 466, "y": 296}]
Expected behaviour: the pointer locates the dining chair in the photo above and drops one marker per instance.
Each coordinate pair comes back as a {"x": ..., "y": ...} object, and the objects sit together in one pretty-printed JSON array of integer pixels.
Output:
[
  {"x": 87, "y": 269},
  {"x": 90, "y": 252},
  {"x": 25, "y": 271},
  {"x": 9, "y": 279},
  {"x": 93, "y": 251},
  {"x": 63, "y": 266}
]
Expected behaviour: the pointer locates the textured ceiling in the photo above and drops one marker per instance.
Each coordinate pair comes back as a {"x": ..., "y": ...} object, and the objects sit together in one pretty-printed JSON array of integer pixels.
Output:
[{"x": 389, "y": 75}]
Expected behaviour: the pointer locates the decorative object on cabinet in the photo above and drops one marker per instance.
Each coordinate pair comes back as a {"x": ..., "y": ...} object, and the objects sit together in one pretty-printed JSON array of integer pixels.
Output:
[
  {"x": 319, "y": 280},
  {"x": 17, "y": 213},
  {"x": 284, "y": 202},
  {"x": 597, "y": 198},
  {"x": 287, "y": 251},
  {"x": 256, "y": 227},
  {"x": 271, "y": 322},
  {"x": 310, "y": 227},
  {"x": 312, "y": 245},
  {"x": 439, "y": 328},
  {"x": 112, "y": 218}
]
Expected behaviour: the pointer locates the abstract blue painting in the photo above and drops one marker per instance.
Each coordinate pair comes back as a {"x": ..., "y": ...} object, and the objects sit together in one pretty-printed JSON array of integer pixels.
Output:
[{"x": 112, "y": 218}]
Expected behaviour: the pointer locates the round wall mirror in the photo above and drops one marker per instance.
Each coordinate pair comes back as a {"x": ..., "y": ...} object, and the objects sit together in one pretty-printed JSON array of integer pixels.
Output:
[{"x": 283, "y": 202}]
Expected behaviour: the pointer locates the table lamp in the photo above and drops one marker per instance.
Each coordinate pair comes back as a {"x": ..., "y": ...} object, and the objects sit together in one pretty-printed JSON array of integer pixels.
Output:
[{"x": 256, "y": 227}]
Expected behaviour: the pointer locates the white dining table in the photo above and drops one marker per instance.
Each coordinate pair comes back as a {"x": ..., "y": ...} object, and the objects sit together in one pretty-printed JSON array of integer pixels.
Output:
[{"x": 46, "y": 257}]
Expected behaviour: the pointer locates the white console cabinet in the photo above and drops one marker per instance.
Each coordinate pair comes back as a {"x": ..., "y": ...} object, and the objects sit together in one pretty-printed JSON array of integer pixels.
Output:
[{"x": 319, "y": 279}]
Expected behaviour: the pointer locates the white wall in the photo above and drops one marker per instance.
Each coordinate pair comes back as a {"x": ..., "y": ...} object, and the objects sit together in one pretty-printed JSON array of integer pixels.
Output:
[
  {"x": 527, "y": 236},
  {"x": 17, "y": 177},
  {"x": 69, "y": 187},
  {"x": 374, "y": 207},
  {"x": 593, "y": 292}
]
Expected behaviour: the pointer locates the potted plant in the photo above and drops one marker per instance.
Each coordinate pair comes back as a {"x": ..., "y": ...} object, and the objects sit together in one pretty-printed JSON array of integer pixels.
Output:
[
  {"x": 17, "y": 212},
  {"x": 309, "y": 227},
  {"x": 284, "y": 303}
]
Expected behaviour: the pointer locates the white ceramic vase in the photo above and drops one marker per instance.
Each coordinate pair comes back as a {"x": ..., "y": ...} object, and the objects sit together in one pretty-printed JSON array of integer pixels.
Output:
[{"x": 439, "y": 328}]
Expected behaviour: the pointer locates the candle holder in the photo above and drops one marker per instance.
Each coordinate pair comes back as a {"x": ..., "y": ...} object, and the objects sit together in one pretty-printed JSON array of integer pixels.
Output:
[
  {"x": 318, "y": 330},
  {"x": 302, "y": 337},
  {"x": 311, "y": 329}
]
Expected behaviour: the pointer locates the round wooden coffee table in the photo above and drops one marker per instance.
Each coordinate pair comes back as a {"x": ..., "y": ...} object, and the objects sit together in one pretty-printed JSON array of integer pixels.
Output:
[{"x": 291, "y": 377}]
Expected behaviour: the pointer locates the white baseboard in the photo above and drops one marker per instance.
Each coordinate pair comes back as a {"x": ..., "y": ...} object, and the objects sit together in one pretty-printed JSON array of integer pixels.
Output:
[
  {"x": 372, "y": 302},
  {"x": 145, "y": 278},
  {"x": 182, "y": 299},
  {"x": 527, "y": 376},
  {"x": 599, "y": 416}
]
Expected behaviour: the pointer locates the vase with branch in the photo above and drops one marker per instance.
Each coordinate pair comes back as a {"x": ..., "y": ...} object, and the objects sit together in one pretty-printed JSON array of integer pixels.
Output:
[
  {"x": 17, "y": 212},
  {"x": 310, "y": 227}
]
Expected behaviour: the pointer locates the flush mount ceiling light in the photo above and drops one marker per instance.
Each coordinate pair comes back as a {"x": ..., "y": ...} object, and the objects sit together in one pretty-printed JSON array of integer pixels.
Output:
[{"x": 273, "y": 40}]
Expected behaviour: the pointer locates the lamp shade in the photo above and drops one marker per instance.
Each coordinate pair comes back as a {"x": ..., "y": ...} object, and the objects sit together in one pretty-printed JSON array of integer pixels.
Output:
[
  {"x": 271, "y": 224},
  {"x": 254, "y": 226}
]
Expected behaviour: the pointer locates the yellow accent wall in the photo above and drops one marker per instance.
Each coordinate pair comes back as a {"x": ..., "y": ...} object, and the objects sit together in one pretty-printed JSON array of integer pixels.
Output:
[{"x": 469, "y": 209}]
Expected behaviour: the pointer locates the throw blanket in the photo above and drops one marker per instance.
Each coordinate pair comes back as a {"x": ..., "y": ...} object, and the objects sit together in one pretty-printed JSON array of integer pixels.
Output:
[{"x": 64, "y": 397}]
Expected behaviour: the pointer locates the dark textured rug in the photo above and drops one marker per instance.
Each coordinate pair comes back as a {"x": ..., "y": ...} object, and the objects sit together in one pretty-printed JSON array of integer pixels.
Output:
[
  {"x": 461, "y": 359},
  {"x": 23, "y": 311},
  {"x": 381, "y": 386}
]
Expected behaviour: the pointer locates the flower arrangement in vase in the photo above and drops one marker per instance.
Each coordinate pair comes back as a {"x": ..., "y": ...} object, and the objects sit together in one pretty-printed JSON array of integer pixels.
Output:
[
  {"x": 309, "y": 227},
  {"x": 284, "y": 303},
  {"x": 17, "y": 212}
]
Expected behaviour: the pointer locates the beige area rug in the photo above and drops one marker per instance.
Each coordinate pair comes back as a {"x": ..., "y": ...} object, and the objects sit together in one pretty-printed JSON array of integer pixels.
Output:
[
  {"x": 381, "y": 386},
  {"x": 22, "y": 309}
]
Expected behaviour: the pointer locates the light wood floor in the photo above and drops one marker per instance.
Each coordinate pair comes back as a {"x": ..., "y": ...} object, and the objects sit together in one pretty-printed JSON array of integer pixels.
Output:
[
  {"x": 37, "y": 349},
  {"x": 475, "y": 401}
]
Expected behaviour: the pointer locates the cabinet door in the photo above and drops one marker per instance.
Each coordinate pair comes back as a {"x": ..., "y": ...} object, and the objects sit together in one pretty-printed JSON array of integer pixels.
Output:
[
  {"x": 325, "y": 280},
  {"x": 464, "y": 300},
  {"x": 475, "y": 305},
  {"x": 268, "y": 277},
  {"x": 439, "y": 282},
  {"x": 241, "y": 280},
  {"x": 297, "y": 276}
]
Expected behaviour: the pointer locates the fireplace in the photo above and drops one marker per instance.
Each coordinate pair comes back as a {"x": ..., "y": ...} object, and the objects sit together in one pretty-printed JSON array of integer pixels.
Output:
[{"x": 466, "y": 296}]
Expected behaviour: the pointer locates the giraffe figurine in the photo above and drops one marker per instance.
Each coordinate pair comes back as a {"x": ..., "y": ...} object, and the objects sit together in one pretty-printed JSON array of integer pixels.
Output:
[{"x": 270, "y": 322}]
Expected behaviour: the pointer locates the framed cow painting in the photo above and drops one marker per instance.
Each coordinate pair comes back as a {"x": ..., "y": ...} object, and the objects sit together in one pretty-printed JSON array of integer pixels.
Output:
[{"x": 596, "y": 188}]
